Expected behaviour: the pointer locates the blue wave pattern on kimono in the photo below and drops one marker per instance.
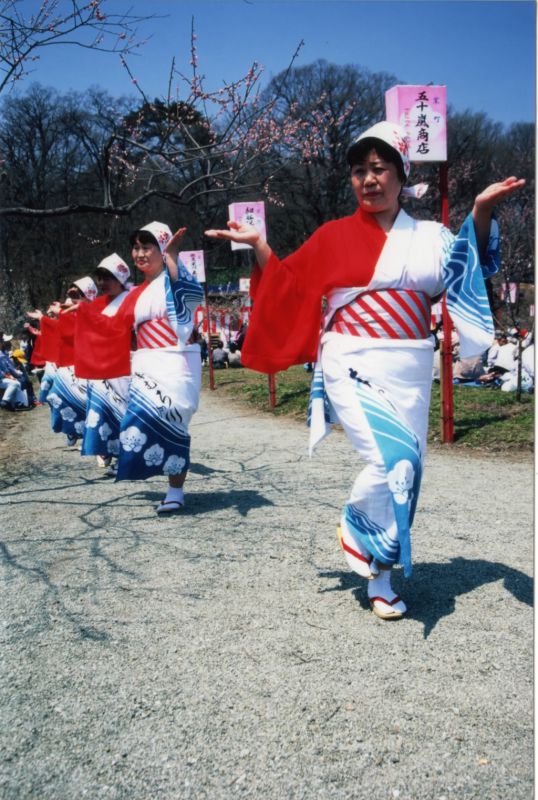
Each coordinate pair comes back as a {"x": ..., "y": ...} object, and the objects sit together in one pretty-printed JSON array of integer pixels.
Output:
[
  {"x": 102, "y": 424},
  {"x": 464, "y": 277},
  {"x": 67, "y": 401},
  {"x": 318, "y": 395},
  {"x": 400, "y": 450},
  {"x": 46, "y": 383},
  {"x": 320, "y": 415},
  {"x": 373, "y": 536},
  {"x": 182, "y": 299},
  {"x": 150, "y": 445}
]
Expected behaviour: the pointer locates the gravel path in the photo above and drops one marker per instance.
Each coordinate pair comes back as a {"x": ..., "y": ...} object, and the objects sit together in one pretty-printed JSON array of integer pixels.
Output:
[{"x": 229, "y": 652}]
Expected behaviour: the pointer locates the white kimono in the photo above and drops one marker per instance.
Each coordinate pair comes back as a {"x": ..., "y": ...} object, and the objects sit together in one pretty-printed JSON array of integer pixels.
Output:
[
  {"x": 378, "y": 388},
  {"x": 165, "y": 381}
]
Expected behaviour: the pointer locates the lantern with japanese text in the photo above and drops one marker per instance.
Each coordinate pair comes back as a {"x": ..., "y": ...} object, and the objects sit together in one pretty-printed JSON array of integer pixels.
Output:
[{"x": 421, "y": 111}]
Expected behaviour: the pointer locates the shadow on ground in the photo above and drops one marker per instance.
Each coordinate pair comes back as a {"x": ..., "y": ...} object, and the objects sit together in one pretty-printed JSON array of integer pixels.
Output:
[
  {"x": 243, "y": 500},
  {"x": 431, "y": 593}
]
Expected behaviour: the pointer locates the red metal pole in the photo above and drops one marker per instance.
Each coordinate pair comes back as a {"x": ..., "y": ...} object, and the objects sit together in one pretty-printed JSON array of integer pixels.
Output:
[
  {"x": 447, "y": 388},
  {"x": 272, "y": 390},
  {"x": 209, "y": 349}
]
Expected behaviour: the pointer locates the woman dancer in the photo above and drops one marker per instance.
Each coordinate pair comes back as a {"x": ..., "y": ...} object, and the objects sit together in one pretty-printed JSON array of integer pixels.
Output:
[
  {"x": 67, "y": 397},
  {"x": 166, "y": 367},
  {"x": 379, "y": 271},
  {"x": 107, "y": 399}
]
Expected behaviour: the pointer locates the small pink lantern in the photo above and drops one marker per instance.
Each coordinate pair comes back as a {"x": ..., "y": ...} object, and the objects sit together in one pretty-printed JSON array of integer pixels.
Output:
[
  {"x": 193, "y": 261},
  {"x": 421, "y": 111},
  {"x": 249, "y": 214}
]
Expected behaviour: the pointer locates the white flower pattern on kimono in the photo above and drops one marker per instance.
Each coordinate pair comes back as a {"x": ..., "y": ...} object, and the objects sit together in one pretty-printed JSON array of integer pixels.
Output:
[
  {"x": 92, "y": 418},
  {"x": 104, "y": 431},
  {"x": 80, "y": 427},
  {"x": 68, "y": 414},
  {"x": 154, "y": 456},
  {"x": 54, "y": 400},
  {"x": 400, "y": 480},
  {"x": 133, "y": 439},
  {"x": 174, "y": 465},
  {"x": 113, "y": 447}
]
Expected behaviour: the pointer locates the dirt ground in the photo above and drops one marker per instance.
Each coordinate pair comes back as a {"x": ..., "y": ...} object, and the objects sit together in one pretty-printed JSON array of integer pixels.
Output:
[{"x": 229, "y": 652}]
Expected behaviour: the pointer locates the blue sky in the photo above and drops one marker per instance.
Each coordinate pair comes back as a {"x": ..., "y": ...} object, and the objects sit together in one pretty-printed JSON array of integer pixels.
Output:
[{"x": 484, "y": 52}]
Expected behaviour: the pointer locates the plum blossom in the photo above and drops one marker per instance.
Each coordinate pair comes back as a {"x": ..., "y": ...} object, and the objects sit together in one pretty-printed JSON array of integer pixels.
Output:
[
  {"x": 154, "y": 456},
  {"x": 68, "y": 414},
  {"x": 104, "y": 431},
  {"x": 54, "y": 400},
  {"x": 133, "y": 439},
  {"x": 92, "y": 419},
  {"x": 400, "y": 480},
  {"x": 80, "y": 427},
  {"x": 174, "y": 465}
]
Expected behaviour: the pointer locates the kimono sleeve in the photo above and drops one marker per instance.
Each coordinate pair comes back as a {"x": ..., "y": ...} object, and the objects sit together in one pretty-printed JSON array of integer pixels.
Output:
[
  {"x": 466, "y": 294},
  {"x": 48, "y": 340},
  {"x": 66, "y": 348},
  {"x": 102, "y": 344},
  {"x": 285, "y": 321}
]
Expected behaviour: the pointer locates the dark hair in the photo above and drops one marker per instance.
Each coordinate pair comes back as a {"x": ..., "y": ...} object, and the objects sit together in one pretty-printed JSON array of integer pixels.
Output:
[
  {"x": 144, "y": 237},
  {"x": 358, "y": 152},
  {"x": 104, "y": 272}
]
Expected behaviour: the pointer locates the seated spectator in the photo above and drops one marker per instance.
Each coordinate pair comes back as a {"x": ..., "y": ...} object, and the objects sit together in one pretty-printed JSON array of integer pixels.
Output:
[
  {"x": 10, "y": 379},
  {"x": 219, "y": 357},
  {"x": 234, "y": 356},
  {"x": 468, "y": 369},
  {"x": 21, "y": 362}
]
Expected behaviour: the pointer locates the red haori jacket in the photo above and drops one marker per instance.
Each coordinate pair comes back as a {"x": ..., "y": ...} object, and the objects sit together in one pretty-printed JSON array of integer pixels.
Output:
[
  {"x": 66, "y": 348},
  {"x": 47, "y": 344},
  {"x": 285, "y": 322},
  {"x": 103, "y": 344}
]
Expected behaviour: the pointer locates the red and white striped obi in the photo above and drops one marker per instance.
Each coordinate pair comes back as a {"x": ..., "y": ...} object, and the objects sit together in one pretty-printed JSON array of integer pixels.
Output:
[
  {"x": 155, "y": 333},
  {"x": 385, "y": 314}
]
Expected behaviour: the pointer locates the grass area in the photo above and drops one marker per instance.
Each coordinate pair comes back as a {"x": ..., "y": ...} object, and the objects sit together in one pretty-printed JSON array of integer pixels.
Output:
[{"x": 484, "y": 418}]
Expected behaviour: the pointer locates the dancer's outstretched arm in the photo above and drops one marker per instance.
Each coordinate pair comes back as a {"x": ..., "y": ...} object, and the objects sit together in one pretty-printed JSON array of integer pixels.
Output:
[{"x": 244, "y": 234}]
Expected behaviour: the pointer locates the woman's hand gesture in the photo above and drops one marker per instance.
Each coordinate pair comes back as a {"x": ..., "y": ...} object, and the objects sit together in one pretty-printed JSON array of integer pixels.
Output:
[
  {"x": 171, "y": 252},
  {"x": 484, "y": 204},
  {"x": 244, "y": 234},
  {"x": 496, "y": 193},
  {"x": 36, "y": 314},
  {"x": 238, "y": 232}
]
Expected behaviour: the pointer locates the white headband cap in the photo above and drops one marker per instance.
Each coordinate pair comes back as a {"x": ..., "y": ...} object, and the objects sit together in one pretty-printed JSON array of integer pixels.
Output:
[
  {"x": 160, "y": 232},
  {"x": 87, "y": 287},
  {"x": 395, "y": 136},
  {"x": 117, "y": 268}
]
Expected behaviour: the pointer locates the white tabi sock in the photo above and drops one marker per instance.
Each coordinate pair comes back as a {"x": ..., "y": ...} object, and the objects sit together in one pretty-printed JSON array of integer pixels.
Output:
[
  {"x": 174, "y": 495},
  {"x": 380, "y": 587}
]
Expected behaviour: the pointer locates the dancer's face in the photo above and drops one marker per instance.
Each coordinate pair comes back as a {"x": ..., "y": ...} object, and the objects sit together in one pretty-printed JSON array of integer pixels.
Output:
[
  {"x": 376, "y": 184},
  {"x": 148, "y": 258},
  {"x": 108, "y": 284}
]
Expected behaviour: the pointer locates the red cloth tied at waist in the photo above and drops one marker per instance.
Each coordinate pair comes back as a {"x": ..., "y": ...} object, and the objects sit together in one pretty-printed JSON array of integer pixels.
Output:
[
  {"x": 155, "y": 333},
  {"x": 385, "y": 314}
]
